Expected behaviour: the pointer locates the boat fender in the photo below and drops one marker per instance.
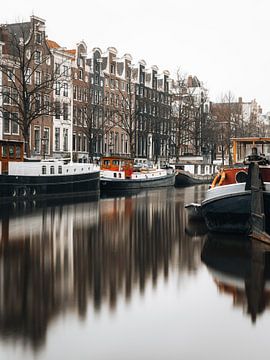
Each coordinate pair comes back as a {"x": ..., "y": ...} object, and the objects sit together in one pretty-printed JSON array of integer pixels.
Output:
[
  {"x": 216, "y": 180},
  {"x": 223, "y": 176}
]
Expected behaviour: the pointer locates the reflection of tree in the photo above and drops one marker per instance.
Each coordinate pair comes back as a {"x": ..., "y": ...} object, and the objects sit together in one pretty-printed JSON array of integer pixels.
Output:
[
  {"x": 245, "y": 268},
  {"x": 93, "y": 252}
]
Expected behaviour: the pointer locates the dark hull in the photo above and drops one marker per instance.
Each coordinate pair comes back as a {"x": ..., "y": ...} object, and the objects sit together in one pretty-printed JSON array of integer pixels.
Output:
[
  {"x": 183, "y": 179},
  {"x": 231, "y": 214},
  {"x": 128, "y": 184},
  {"x": 13, "y": 188}
]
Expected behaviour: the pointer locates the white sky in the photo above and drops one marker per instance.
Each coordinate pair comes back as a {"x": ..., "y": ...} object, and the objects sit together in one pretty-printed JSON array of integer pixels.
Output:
[{"x": 225, "y": 43}]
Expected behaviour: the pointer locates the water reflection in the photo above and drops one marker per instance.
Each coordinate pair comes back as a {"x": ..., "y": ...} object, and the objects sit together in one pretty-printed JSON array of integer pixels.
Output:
[
  {"x": 240, "y": 269},
  {"x": 79, "y": 257}
]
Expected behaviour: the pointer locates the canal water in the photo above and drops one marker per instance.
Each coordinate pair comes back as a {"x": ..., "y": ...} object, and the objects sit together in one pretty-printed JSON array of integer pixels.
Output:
[{"x": 129, "y": 277}]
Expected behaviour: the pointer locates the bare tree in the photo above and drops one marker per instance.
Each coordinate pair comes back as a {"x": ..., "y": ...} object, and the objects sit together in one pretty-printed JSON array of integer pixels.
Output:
[
  {"x": 28, "y": 76},
  {"x": 127, "y": 113},
  {"x": 229, "y": 121},
  {"x": 96, "y": 119},
  {"x": 185, "y": 113}
]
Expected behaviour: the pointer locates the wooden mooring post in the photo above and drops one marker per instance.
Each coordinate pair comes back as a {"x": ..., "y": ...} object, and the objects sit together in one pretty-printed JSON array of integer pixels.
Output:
[{"x": 257, "y": 215}]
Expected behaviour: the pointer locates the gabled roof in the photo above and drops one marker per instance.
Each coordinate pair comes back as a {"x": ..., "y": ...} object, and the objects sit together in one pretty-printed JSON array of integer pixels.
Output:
[
  {"x": 52, "y": 44},
  {"x": 72, "y": 51}
]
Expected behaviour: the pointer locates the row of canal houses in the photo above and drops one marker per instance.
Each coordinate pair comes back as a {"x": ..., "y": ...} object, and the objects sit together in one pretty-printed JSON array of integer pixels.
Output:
[
  {"x": 103, "y": 103},
  {"x": 88, "y": 103}
]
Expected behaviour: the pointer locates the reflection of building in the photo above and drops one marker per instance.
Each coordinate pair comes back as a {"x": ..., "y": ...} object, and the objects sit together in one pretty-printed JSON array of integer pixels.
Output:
[{"x": 93, "y": 252}]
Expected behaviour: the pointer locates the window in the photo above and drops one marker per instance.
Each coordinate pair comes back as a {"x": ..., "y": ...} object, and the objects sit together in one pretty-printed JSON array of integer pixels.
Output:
[
  {"x": 37, "y": 57},
  {"x": 37, "y": 77},
  {"x": 14, "y": 96},
  {"x": 14, "y": 124},
  {"x": 65, "y": 89},
  {"x": 46, "y": 104},
  {"x": 28, "y": 76},
  {"x": 6, "y": 119},
  {"x": 46, "y": 138},
  {"x": 65, "y": 137},
  {"x": 4, "y": 151},
  {"x": 11, "y": 151},
  {"x": 57, "y": 69},
  {"x": 75, "y": 92},
  {"x": 52, "y": 170},
  {"x": 113, "y": 68},
  {"x": 6, "y": 95},
  {"x": 80, "y": 74},
  {"x": 65, "y": 70},
  {"x": 79, "y": 116},
  {"x": 57, "y": 110},
  {"x": 37, "y": 139},
  {"x": 74, "y": 142},
  {"x": 18, "y": 152},
  {"x": 37, "y": 102},
  {"x": 60, "y": 169},
  {"x": 57, "y": 139},
  {"x": 57, "y": 88},
  {"x": 79, "y": 94},
  {"x": 43, "y": 170},
  {"x": 79, "y": 142},
  {"x": 10, "y": 75},
  {"x": 84, "y": 143},
  {"x": 65, "y": 111},
  {"x": 38, "y": 37},
  {"x": 85, "y": 95}
]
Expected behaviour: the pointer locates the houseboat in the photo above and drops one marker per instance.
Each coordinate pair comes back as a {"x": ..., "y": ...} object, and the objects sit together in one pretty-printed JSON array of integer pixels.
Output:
[
  {"x": 193, "y": 170},
  {"x": 120, "y": 173},
  {"x": 227, "y": 206},
  {"x": 28, "y": 180}
]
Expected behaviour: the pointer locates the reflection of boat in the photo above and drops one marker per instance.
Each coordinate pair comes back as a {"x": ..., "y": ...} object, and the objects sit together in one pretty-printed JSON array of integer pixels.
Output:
[
  {"x": 119, "y": 173},
  {"x": 241, "y": 270},
  {"x": 228, "y": 204},
  {"x": 192, "y": 171},
  {"x": 29, "y": 180},
  {"x": 194, "y": 211}
]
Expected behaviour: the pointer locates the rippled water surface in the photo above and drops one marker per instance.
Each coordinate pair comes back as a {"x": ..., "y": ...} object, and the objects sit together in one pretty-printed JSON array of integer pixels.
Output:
[{"x": 129, "y": 278}]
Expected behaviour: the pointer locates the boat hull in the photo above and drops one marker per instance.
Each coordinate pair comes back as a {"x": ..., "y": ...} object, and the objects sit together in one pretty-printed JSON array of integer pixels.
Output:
[
  {"x": 18, "y": 187},
  {"x": 184, "y": 179},
  {"x": 109, "y": 184},
  {"x": 231, "y": 213}
]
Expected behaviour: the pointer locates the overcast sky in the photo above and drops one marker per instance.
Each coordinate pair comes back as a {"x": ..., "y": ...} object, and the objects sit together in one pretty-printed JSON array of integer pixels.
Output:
[{"x": 224, "y": 43}]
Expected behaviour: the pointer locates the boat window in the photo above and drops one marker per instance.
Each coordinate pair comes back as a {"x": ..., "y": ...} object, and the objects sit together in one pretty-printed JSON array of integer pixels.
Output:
[
  {"x": 43, "y": 169},
  {"x": 115, "y": 162},
  {"x": 11, "y": 151},
  {"x": 106, "y": 162},
  {"x": 52, "y": 170},
  {"x": 4, "y": 151},
  {"x": 195, "y": 169},
  {"x": 18, "y": 152},
  {"x": 59, "y": 169}
]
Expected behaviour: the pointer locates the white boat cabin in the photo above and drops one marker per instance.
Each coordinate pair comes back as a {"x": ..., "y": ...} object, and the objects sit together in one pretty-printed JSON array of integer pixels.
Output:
[{"x": 114, "y": 167}]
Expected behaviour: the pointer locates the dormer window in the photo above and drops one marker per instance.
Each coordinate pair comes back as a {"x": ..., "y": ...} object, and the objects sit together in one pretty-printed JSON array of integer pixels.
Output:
[
  {"x": 112, "y": 68},
  {"x": 38, "y": 37}
]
